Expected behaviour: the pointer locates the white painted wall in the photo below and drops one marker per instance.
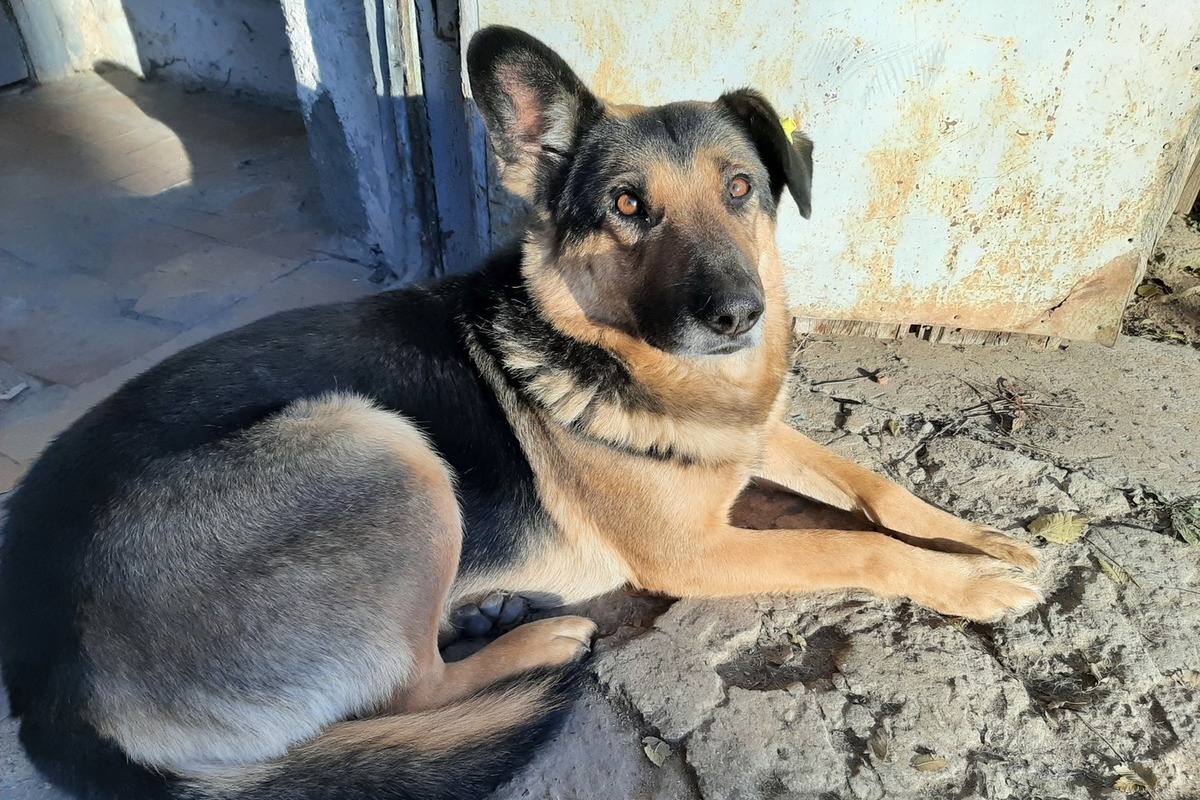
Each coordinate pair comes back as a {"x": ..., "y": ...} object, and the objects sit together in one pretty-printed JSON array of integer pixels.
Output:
[
  {"x": 238, "y": 46},
  {"x": 68, "y": 36},
  {"x": 989, "y": 165}
]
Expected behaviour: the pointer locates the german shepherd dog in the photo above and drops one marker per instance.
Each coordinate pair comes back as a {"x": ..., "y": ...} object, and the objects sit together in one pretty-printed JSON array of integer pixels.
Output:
[{"x": 228, "y": 579}]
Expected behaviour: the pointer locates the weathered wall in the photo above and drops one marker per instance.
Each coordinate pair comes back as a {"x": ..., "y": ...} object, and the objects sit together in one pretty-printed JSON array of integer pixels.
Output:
[
  {"x": 66, "y": 36},
  {"x": 356, "y": 68},
  {"x": 238, "y": 46},
  {"x": 998, "y": 166}
]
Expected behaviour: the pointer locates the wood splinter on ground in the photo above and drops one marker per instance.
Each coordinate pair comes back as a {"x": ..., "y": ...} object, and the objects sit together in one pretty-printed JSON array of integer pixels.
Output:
[{"x": 875, "y": 376}]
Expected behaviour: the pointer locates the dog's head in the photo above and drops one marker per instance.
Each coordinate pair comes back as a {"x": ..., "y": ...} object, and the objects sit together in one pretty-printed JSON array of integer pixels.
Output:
[{"x": 653, "y": 219}]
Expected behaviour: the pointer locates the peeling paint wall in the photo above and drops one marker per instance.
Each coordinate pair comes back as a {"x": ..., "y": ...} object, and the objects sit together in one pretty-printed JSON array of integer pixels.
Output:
[
  {"x": 237, "y": 46},
  {"x": 993, "y": 166},
  {"x": 355, "y": 66},
  {"x": 68, "y": 36}
]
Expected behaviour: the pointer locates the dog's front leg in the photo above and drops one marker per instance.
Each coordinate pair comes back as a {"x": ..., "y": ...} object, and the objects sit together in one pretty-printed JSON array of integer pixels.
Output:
[
  {"x": 800, "y": 465},
  {"x": 728, "y": 561}
]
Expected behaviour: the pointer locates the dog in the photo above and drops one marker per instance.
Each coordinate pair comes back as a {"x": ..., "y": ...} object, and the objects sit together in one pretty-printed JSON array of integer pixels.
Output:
[{"x": 228, "y": 579}]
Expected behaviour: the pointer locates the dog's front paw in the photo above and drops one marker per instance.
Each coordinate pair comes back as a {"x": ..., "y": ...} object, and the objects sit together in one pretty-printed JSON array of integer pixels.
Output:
[
  {"x": 998, "y": 544},
  {"x": 978, "y": 588}
]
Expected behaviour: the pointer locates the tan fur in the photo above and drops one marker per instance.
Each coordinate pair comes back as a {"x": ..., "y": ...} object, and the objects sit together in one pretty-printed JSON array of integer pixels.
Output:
[
  {"x": 545, "y": 643},
  {"x": 663, "y": 525}
]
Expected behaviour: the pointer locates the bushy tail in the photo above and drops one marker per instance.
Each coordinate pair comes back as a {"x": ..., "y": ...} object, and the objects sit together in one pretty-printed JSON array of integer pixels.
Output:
[{"x": 459, "y": 752}]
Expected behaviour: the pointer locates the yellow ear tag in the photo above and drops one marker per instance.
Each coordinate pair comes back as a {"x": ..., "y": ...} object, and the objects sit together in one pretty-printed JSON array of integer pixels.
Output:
[{"x": 789, "y": 126}]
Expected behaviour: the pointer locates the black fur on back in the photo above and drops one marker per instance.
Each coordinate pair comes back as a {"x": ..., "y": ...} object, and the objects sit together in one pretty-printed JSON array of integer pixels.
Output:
[{"x": 405, "y": 349}]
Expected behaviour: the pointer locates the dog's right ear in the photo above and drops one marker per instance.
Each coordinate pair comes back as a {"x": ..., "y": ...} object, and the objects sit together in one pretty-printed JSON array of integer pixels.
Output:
[{"x": 533, "y": 106}]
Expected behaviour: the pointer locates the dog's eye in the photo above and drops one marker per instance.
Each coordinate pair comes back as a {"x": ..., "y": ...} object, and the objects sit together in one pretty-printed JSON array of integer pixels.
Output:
[
  {"x": 629, "y": 204},
  {"x": 739, "y": 187}
]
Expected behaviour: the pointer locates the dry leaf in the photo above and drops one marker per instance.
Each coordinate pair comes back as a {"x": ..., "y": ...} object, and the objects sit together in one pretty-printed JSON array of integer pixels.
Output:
[
  {"x": 1185, "y": 519},
  {"x": 927, "y": 762},
  {"x": 1149, "y": 290},
  {"x": 1127, "y": 785},
  {"x": 1115, "y": 572},
  {"x": 1134, "y": 778},
  {"x": 881, "y": 745},
  {"x": 892, "y": 427},
  {"x": 1059, "y": 528},
  {"x": 656, "y": 749},
  {"x": 1188, "y": 677},
  {"x": 797, "y": 638}
]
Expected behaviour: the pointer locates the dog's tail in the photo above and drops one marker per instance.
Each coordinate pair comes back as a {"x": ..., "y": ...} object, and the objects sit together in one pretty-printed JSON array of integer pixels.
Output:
[{"x": 461, "y": 751}]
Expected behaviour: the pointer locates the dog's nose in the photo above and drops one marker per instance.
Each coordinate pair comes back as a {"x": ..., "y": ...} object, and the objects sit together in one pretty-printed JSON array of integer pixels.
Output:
[{"x": 732, "y": 314}]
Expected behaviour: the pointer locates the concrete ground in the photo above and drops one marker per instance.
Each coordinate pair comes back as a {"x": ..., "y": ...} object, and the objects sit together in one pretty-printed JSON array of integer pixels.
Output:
[{"x": 157, "y": 219}]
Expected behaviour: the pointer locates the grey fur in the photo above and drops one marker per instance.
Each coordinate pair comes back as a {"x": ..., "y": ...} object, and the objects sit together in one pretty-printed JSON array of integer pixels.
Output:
[{"x": 295, "y": 562}]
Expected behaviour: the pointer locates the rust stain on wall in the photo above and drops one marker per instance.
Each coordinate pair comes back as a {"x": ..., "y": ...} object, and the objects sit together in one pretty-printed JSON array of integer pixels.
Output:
[{"x": 1093, "y": 307}]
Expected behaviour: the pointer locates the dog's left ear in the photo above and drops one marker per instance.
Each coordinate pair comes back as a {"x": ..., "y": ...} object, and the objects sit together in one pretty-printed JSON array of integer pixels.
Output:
[
  {"x": 787, "y": 162},
  {"x": 534, "y": 107}
]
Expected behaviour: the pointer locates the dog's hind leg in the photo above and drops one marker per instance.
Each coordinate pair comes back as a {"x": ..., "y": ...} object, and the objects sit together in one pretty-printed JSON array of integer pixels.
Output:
[
  {"x": 800, "y": 465},
  {"x": 552, "y": 642},
  {"x": 248, "y": 595}
]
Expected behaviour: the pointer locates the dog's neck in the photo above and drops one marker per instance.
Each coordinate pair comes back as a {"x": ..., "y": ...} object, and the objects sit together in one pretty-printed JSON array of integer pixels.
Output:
[{"x": 603, "y": 384}]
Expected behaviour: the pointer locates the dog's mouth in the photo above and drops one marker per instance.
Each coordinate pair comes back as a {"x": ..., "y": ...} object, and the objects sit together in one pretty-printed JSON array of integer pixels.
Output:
[
  {"x": 699, "y": 341},
  {"x": 728, "y": 348}
]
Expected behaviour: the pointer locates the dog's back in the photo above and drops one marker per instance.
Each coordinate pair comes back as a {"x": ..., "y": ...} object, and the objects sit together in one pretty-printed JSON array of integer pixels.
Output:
[{"x": 236, "y": 517}]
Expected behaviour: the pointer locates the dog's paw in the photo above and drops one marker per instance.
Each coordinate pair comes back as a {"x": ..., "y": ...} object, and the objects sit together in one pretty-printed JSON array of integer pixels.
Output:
[
  {"x": 549, "y": 642},
  {"x": 496, "y": 612},
  {"x": 998, "y": 544},
  {"x": 979, "y": 588}
]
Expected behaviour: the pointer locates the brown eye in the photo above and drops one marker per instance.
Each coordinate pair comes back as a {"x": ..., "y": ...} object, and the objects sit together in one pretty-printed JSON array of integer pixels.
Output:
[
  {"x": 629, "y": 204},
  {"x": 739, "y": 187}
]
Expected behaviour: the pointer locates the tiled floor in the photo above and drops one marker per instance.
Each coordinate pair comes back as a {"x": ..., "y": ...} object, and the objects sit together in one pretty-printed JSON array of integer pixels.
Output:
[{"x": 135, "y": 220}]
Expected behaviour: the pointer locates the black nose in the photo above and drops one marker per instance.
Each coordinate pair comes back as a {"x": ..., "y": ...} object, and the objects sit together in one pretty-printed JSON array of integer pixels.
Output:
[{"x": 732, "y": 314}]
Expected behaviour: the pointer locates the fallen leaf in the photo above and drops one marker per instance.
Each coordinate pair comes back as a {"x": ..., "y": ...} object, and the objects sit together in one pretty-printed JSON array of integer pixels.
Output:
[
  {"x": 1134, "y": 778},
  {"x": 1127, "y": 785},
  {"x": 881, "y": 745},
  {"x": 797, "y": 638},
  {"x": 1059, "y": 528},
  {"x": 1188, "y": 677},
  {"x": 927, "y": 762},
  {"x": 656, "y": 749},
  {"x": 1149, "y": 290},
  {"x": 1115, "y": 572},
  {"x": 1185, "y": 519},
  {"x": 892, "y": 427}
]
